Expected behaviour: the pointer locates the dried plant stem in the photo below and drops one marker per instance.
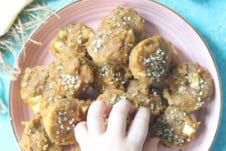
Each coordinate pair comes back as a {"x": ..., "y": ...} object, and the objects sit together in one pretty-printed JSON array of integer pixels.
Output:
[{"x": 26, "y": 23}]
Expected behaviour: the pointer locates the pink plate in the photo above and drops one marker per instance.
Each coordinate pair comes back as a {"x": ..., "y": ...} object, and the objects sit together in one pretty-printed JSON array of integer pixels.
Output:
[{"x": 158, "y": 20}]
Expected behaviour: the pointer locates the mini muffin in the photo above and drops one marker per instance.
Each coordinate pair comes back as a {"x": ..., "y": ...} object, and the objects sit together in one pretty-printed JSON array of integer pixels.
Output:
[
  {"x": 60, "y": 119},
  {"x": 190, "y": 87},
  {"x": 71, "y": 40},
  {"x": 112, "y": 96},
  {"x": 126, "y": 19},
  {"x": 142, "y": 95},
  {"x": 175, "y": 127},
  {"x": 151, "y": 59},
  {"x": 70, "y": 75},
  {"x": 111, "y": 46},
  {"x": 33, "y": 81},
  {"x": 111, "y": 76},
  {"x": 35, "y": 138}
]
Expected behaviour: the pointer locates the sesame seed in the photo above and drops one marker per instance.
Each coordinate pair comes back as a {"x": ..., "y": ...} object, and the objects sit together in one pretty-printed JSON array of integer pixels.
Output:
[
  {"x": 79, "y": 41},
  {"x": 181, "y": 89},
  {"x": 65, "y": 118},
  {"x": 45, "y": 147},
  {"x": 59, "y": 67},
  {"x": 128, "y": 18},
  {"x": 61, "y": 126},
  {"x": 71, "y": 121},
  {"x": 95, "y": 49},
  {"x": 152, "y": 106},
  {"x": 116, "y": 99},
  {"x": 153, "y": 64},
  {"x": 60, "y": 113}
]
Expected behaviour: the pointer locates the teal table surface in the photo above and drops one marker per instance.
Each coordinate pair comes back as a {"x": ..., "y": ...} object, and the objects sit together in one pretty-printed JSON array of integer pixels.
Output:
[{"x": 208, "y": 17}]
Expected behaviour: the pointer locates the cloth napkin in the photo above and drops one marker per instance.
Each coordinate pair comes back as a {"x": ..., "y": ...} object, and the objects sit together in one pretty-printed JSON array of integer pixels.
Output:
[{"x": 9, "y": 10}]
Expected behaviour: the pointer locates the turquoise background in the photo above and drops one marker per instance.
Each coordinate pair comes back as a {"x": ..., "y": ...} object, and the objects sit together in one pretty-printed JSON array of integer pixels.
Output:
[{"x": 208, "y": 17}]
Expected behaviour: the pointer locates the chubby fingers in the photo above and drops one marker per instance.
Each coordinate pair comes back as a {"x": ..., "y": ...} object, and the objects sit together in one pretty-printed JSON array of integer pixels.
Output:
[
  {"x": 95, "y": 118},
  {"x": 118, "y": 118},
  {"x": 139, "y": 128},
  {"x": 81, "y": 132}
]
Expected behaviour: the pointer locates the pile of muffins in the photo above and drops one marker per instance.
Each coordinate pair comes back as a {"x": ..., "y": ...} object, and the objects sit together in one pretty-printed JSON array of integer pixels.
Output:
[{"x": 117, "y": 62}]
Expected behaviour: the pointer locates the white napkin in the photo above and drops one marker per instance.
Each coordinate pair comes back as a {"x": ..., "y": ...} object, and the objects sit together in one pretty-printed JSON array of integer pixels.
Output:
[{"x": 9, "y": 9}]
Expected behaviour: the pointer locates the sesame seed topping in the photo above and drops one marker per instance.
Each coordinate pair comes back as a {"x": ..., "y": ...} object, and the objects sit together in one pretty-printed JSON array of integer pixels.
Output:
[
  {"x": 154, "y": 67},
  {"x": 69, "y": 81},
  {"x": 97, "y": 44}
]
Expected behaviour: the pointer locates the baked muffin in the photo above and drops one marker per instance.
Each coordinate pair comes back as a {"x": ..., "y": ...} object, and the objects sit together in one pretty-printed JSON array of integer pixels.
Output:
[
  {"x": 111, "y": 46},
  {"x": 71, "y": 40},
  {"x": 175, "y": 127},
  {"x": 190, "y": 87},
  {"x": 111, "y": 76},
  {"x": 67, "y": 76},
  {"x": 151, "y": 59},
  {"x": 142, "y": 95},
  {"x": 125, "y": 19},
  {"x": 32, "y": 82},
  {"x": 61, "y": 117},
  {"x": 71, "y": 75},
  {"x": 35, "y": 138}
]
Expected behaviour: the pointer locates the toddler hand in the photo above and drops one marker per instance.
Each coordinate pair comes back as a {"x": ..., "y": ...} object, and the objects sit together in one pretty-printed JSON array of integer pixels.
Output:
[{"x": 93, "y": 135}]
